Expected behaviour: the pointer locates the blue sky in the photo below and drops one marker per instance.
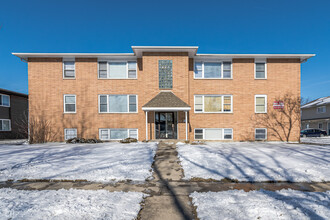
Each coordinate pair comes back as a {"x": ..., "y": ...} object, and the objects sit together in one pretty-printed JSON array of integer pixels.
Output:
[{"x": 237, "y": 26}]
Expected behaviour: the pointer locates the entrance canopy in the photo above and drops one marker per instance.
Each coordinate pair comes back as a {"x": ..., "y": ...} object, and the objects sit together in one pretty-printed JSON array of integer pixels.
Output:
[{"x": 166, "y": 101}]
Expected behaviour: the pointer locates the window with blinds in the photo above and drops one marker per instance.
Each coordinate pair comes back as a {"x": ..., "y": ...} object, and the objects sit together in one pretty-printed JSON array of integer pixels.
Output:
[
  {"x": 260, "y": 104},
  {"x": 213, "y": 103},
  {"x": 213, "y": 70}
]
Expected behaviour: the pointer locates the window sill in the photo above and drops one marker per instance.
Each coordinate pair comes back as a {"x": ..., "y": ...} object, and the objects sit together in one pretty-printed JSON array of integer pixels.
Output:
[
  {"x": 260, "y": 78},
  {"x": 117, "y": 79},
  {"x": 213, "y": 112},
  {"x": 5, "y": 106},
  {"x": 260, "y": 112},
  {"x": 70, "y": 78},
  {"x": 69, "y": 112},
  {"x": 214, "y": 78},
  {"x": 118, "y": 112}
]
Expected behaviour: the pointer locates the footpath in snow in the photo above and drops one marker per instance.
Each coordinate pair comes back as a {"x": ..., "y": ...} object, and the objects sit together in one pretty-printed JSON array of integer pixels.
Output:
[
  {"x": 69, "y": 204},
  {"x": 256, "y": 161},
  {"x": 284, "y": 204},
  {"x": 92, "y": 162}
]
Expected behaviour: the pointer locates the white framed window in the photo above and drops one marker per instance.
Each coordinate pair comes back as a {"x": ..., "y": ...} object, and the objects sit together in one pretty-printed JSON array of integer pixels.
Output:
[
  {"x": 118, "y": 103},
  {"x": 213, "y": 70},
  {"x": 260, "y": 103},
  {"x": 260, "y": 134},
  {"x": 213, "y": 133},
  {"x": 117, "y": 133},
  {"x": 5, "y": 125},
  {"x": 117, "y": 70},
  {"x": 70, "y": 133},
  {"x": 321, "y": 125},
  {"x": 321, "y": 109},
  {"x": 260, "y": 69},
  {"x": 69, "y": 70},
  {"x": 4, "y": 100},
  {"x": 70, "y": 104},
  {"x": 213, "y": 104}
]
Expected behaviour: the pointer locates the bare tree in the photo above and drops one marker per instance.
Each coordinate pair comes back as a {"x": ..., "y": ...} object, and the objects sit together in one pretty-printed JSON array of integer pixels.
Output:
[
  {"x": 38, "y": 129},
  {"x": 280, "y": 121}
]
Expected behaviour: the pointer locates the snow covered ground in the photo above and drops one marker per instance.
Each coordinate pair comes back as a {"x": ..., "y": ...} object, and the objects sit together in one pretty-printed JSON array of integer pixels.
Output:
[
  {"x": 256, "y": 161},
  {"x": 316, "y": 140},
  {"x": 69, "y": 204},
  {"x": 94, "y": 162},
  {"x": 284, "y": 204}
]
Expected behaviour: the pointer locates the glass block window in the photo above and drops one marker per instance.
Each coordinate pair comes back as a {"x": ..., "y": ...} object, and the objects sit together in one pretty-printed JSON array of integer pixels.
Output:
[
  {"x": 165, "y": 74},
  {"x": 261, "y": 134}
]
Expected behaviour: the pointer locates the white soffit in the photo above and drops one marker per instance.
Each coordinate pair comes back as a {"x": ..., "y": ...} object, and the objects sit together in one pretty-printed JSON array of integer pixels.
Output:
[
  {"x": 191, "y": 50},
  {"x": 302, "y": 57}
]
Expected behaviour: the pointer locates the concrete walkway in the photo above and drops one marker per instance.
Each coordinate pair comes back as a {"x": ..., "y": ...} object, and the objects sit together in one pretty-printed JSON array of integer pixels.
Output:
[{"x": 169, "y": 194}]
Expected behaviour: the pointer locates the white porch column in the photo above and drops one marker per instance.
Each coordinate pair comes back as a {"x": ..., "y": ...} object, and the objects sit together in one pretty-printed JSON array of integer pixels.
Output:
[
  {"x": 146, "y": 125},
  {"x": 186, "y": 125}
]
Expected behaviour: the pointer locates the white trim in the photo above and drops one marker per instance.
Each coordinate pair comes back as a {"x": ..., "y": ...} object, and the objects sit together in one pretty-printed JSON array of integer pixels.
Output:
[
  {"x": 2, "y": 100},
  {"x": 9, "y": 124},
  {"x": 222, "y": 103},
  {"x": 214, "y": 61},
  {"x": 222, "y": 133},
  {"x": 75, "y": 104},
  {"x": 255, "y": 104},
  {"x": 109, "y": 133},
  {"x": 117, "y": 61},
  {"x": 65, "y": 129},
  {"x": 63, "y": 69},
  {"x": 166, "y": 109},
  {"x": 255, "y": 134},
  {"x": 108, "y": 106},
  {"x": 255, "y": 68}
]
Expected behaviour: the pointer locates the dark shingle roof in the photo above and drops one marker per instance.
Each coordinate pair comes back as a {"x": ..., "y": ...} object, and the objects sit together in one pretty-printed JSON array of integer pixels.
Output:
[{"x": 166, "y": 99}]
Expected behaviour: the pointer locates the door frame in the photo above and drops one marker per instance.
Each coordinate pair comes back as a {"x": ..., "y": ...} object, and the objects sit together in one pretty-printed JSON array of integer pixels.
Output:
[{"x": 177, "y": 123}]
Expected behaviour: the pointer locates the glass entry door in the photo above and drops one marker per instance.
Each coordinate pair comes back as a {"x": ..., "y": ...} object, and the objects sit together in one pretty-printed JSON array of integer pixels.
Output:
[{"x": 166, "y": 125}]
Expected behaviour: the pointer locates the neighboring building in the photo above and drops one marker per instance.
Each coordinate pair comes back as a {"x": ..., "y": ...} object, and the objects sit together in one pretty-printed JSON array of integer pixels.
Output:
[
  {"x": 316, "y": 114},
  {"x": 159, "y": 92},
  {"x": 13, "y": 114}
]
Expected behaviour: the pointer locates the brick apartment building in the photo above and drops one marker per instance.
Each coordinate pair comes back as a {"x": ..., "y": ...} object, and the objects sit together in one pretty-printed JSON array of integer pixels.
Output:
[
  {"x": 13, "y": 114},
  {"x": 159, "y": 92}
]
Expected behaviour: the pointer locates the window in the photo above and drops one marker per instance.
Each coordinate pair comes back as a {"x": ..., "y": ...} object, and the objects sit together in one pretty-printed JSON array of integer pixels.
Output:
[
  {"x": 213, "y": 134},
  {"x": 260, "y": 70},
  {"x": 165, "y": 74},
  {"x": 213, "y": 70},
  {"x": 321, "y": 109},
  {"x": 5, "y": 125},
  {"x": 117, "y": 133},
  {"x": 117, "y": 70},
  {"x": 69, "y": 103},
  {"x": 213, "y": 103},
  {"x": 4, "y": 100},
  {"x": 307, "y": 125},
  {"x": 117, "y": 103},
  {"x": 260, "y": 103},
  {"x": 320, "y": 125},
  {"x": 70, "y": 133},
  {"x": 69, "y": 70},
  {"x": 261, "y": 134}
]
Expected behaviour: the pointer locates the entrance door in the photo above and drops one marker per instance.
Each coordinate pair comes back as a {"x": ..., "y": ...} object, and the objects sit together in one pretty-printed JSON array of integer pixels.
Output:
[{"x": 166, "y": 125}]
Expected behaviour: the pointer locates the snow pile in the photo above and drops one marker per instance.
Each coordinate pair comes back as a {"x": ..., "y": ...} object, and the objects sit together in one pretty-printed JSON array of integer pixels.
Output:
[
  {"x": 284, "y": 204},
  {"x": 316, "y": 140},
  {"x": 256, "y": 161},
  {"x": 69, "y": 204},
  {"x": 93, "y": 162}
]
